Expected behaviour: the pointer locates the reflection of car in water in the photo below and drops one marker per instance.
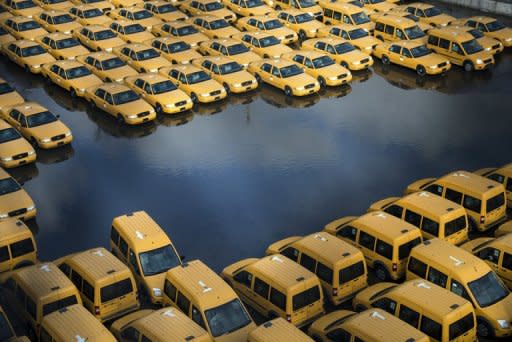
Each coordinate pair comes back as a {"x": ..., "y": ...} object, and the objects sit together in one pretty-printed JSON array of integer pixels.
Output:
[
  {"x": 175, "y": 120},
  {"x": 62, "y": 98},
  {"x": 335, "y": 92},
  {"x": 361, "y": 76},
  {"x": 242, "y": 99},
  {"x": 278, "y": 99},
  {"x": 24, "y": 173},
  {"x": 56, "y": 155},
  {"x": 408, "y": 79},
  {"x": 211, "y": 108}
]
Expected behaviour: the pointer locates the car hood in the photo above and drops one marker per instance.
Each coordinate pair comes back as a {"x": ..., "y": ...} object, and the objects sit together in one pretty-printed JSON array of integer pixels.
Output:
[
  {"x": 121, "y": 72},
  {"x": 139, "y": 36},
  {"x": 245, "y": 58},
  {"x": 134, "y": 107},
  {"x": 501, "y": 310},
  {"x": 109, "y": 43},
  {"x": 39, "y": 59},
  {"x": 67, "y": 27},
  {"x": 277, "y": 50},
  {"x": 238, "y": 77},
  {"x": 15, "y": 200},
  {"x": 300, "y": 80},
  {"x": 225, "y": 32},
  {"x": 49, "y": 130},
  {"x": 101, "y": 20},
  {"x": 331, "y": 70},
  {"x": 442, "y": 19},
  {"x": 238, "y": 335},
  {"x": 281, "y": 32},
  {"x": 15, "y": 147},
  {"x": 73, "y": 52},
  {"x": 206, "y": 87},
  {"x": 502, "y": 34},
  {"x": 154, "y": 63},
  {"x": 171, "y": 97},
  {"x": 432, "y": 59},
  {"x": 10, "y": 99}
]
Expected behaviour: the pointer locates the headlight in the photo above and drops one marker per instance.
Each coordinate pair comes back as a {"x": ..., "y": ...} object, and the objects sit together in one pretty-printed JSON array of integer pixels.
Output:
[
  {"x": 68, "y": 134},
  {"x": 36, "y": 66},
  {"x": 153, "y": 70},
  {"x": 119, "y": 80},
  {"x": 67, "y": 32},
  {"x": 503, "y": 323},
  {"x": 236, "y": 85},
  {"x": 433, "y": 66},
  {"x": 169, "y": 105},
  {"x": 31, "y": 153},
  {"x": 108, "y": 49},
  {"x": 132, "y": 116},
  {"x": 6, "y": 159},
  {"x": 479, "y": 61},
  {"x": 31, "y": 208},
  {"x": 488, "y": 49},
  {"x": 299, "y": 88},
  {"x": 45, "y": 140},
  {"x": 509, "y": 39},
  {"x": 157, "y": 292},
  {"x": 205, "y": 94},
  {"x": 3, "y": 216},
  {"x": 312, "y": 31},
  {"x": 333, "y": 78},
  {"x": 356, "y": 62},
  {"x": 72, "y": 58},
  {"x": 82, "y": 90}
]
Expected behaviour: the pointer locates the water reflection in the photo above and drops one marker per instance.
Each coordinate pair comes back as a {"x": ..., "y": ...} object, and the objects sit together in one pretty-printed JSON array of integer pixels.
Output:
[
  {"x": 407, "y": 79},
  {"x": 56, "y": 155},
  {"x": 211, "y": 108},
  {"x": 277, "y": 98},
  {"x": 24, "y": 173},
  {"x": 108, "y": 124},
  {"x": 335, "y": 92},
  {"x": 175, "y": 119},
  {"x": 62, "y": 98},
  {"x": 361, "y": 76}
]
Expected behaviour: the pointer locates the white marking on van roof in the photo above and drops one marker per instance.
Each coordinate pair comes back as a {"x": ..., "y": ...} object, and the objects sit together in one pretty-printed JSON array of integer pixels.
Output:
[
  {"x": 169, "y": 313},
  {"x": 276, "y": 258},
  {"x": 321, "y": 238},
  {"x": 139, "y": 235},
  {"x": 460, "y": 174},
  {"x": 375, "y": 314},
  {"x": 45, "y": 268},
  {"x": 204, "y": 286},
  {"x": 423, "y": 285},
  {"x": 80, "y": 338},
  {"x": 98, "y": 253},
  {"x": 456, "y": 261},
  {"x": 381, "y": 215},
  {"x": 424, "y": 194}
]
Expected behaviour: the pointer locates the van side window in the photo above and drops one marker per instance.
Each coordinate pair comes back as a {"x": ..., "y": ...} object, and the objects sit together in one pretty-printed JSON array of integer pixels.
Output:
[
  {"x": 431, "y": 328},
  {"x": 197, "y": 317},
  {"x": 291, "y": 253},
  {"x": 339, "y": 335},
  {"x": 244, "y": 278},
  {"x": 457, "y": 49},
  {"x": 133, "y": 262},
  {"x": 413, "y": 218},
  {"x": 278, "y": 299},
  {"x": 367, "y": 241},
  {"x": 507, "y": 261},
  {"x": 437, "y": 277},
  {"x": 114, "y": 236},
  {"x": 509, "y": 184},
  {"x": 44, "y": 336},
  {"x": 394, "y": 210},
  {"x": 390, "y": 29},
  {"x": 77, "y": 280},
  {"x": 31, "y": 308},
  {"x": 409, "y": 316},
  {"x": 430, "y": 226},
  {"x": 348, "y": 232},
  {"x": 88, "y": 290},
  {"x": 4, "y": 254},
  {"x": 379, "y": 27},
  {"x": 59, "y": 304},
  {"x": 261, "y": 288},
  {"x": 324, "y": 273},
  {"x": 65, "y": 269},
  {"x": 385, "y": 304},
  {"x": 123, "y": 246},
  {"x": 308, "y": 262},
  {"x": 453, "y": 196},
  {"x": 22, "y": 247},
  {"x": 489, "y": 254},
  {"x": 443, "y": 43},
  {"x": 435, "y": 189},
  {"x": 472, "y": 203},
  {"x": 183, "y": 303},
  {"x": 433, "y": 40},
  {"x": 417, "y": 267},
  {"x": 459, "y": 289},
  {"x": 384, "y": 249},
  {"x": 170, "y": 290}
]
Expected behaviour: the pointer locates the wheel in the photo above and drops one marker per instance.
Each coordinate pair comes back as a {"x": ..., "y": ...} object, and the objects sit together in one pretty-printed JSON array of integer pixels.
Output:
[
  {"x": 33, "y": 142},
  {"x": 420, "y": 70},
  {"x": 265, "y": 56},
  {"x": 194, "y": 98},
  {"x": 258, "y": 78},
  {"x": 468, "y": 66},
  {"x": 316, "y": 338},
  {"x": 226, "y": 87},
  {"x": 321, "y": 80},
  {"x": 360, "y": 308},
  {"x": 120, "y": 119},
  {"x": 174, "y": 61},
  {"x": 385, "y": 60},
  {"x": 344, "y": 64},
  {"x": 381, "y": 273},
  {"x": 72, "y": 92},
  {"x": 142, "y": 70},
  {"x": 380, "y": 38},
  {"x": 158, "y": 108},
  {"x": 27, "y": 69},
  {"x": 473, "y": 226},
  {"x": 484, "y": 329},
  {"x": 278, "y": 8},
  {"x": 302, "y": 35},
  {"x": 288, "y": 91},
  {"x": 108, "y": 80},
  {"x": 92, "y": 104}
]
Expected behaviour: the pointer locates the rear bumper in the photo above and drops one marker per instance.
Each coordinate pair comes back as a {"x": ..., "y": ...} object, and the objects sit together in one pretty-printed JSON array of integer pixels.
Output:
[
  {"x": 119, "y": 313},
  {"x": 310, "y": 320}
]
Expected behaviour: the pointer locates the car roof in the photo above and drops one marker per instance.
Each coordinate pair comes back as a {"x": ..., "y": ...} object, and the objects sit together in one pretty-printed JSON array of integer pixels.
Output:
[
  {"x": 409, "y": 44},
  {"x": 23, "y": 43},
  {"x": 135, "y": 47},
  {"x": 53, "y": 12},
  {"x": 470, "y": 180},
  {"x": 327, "y": 40},
  {"x": 177, "y": 23},
  {"x": 437, "y": 205},
  {"x": 207, "y": 18},
  {"x": 279, "y": 330},
  {"x": 170, "y": 324},
  {"x": 98, "y": 263},
  {"x": 391, "y": 226},
  {"x": 58, "y": 35},
  {"x": 482, "y": 19},
  {"x": 43, "y": 279},
  {"x": 396, "y": 19},
  {"x": 20, "y": 19},
  {"x": 224, "y": 41},
  {"x": 345, "y": 6},
  {"x": 258, "y": 34},
  {"x": 96, "y": 28},
  {"x": 101, "y": 55},
  {"x": 186, "y": 69},
  {"x": 123, "y": 22},
  {"x": 421, "y": 5},
  {"x": 139, "y": 226},
  {"x": 169, "y": 39},
  {"x": 292, "y": 11},
  {"x": 67, "y": 64},
  {"x": 452, "y": 32},
  {"x": 29, "y": 108},
  {"x": 10, "y": 227},
  {"x": 328, "y": 247},
  {"x": 220, "y": 59},
  {"x": 151, "y": 78},
  {"x": 307, "y": 53}
]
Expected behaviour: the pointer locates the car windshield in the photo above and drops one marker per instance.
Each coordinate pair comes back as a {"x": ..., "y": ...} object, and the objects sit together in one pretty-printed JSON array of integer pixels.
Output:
[
  {"x": 144, "y": 14},
  {"x": 237, "y": 49},
  {"x": 32, "y": 51},
  {"x": 253, "y": 3},
  {"x": 8, "y": 134},
  {"x": 53, "y": 1},
  {"x": 178, "y": 47},
  {"x": 197, "y": 77},
  {"x": 77, "y": 72},
  {"x": 166, "y": 9},
  {"x": 488, "y": 289},
  {"x": 5, "y": 88},
  {"x": 432, "y": 12},
  {"x": 322, "y": 62},
  {"x": 269, "y": 41},
  {"x": 91, "y": 1},
  {"x": 472, "y": 46},
  {"x": 112, "y": 63},
  {"x": 187, "y": 30},
  {"x": 135, "y": 28},
  {"x": 147, "y": 54},
  {"x": 227, "y": 318},
  {"x": 218, "y": 24},
  {"x": 343, "y": 48},
  {"x": 230, "y": 68},
  {"x": 24, "y": 4},
  {"x": 412, "y": 17},
  {"x": 158, "y": 260},
  {"x": 28, "y": 25},
  {"x": 92, "y": 13},
  {"x": 67, "y": 43},
  {"x": 495, "y": 26},
  {"x": 102, "y": 35},
  {"x": 8, "y": 185},
  {"x": 273, "y": 24},
  {"x": 414, "y": 32},
  {"x": 62, "y": 19},
  {"x": 40, "y": 119},
  {"x": 163, "y": 87},
  {"x": 213, "y": 6},
  {"x": 358, "y": 33},
  {"x": 306, "y": 3},
  {"x": 360, "y": 18},
  {"x": 290, "y": 70},
  {"x": 476, "y": 33},
  {"x": 420, "y": 51},
  {"x": 125, "y": 97},
  {"x": 304, "y": 18}
]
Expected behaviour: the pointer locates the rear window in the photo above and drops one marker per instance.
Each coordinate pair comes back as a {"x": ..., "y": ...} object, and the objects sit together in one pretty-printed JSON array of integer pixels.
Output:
[
  {"x": 351, "y": 272},
  {"x": 325, "y": 273},
  {"x": 462, "y": 326},
  {"x": 59, "y": 304},
  {"x": 405, "y": 249},
  {"x": 116, "y": 290},
  {"x": 496, "y": 202},
  {"x": 22, "y": 247},
  {"x": 305, "y": 298},
  {"x": 431, "y": 328},
  {"x": 417, "y": 267},
  {"x": 4, "y": 254},
  {"x": 454, "y": 226},
  {"x": 384, "y": 249},
  {"x": 473, "y": 204}
]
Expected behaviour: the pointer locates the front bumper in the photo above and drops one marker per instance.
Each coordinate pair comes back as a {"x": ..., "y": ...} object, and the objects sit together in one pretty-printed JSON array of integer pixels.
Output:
[{"x": 55, "y": 144}]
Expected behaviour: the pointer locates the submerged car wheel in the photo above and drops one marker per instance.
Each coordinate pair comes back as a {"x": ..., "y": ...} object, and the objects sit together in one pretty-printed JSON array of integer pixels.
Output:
[
  {"x": 72, "y": 92},
  {"x": 468, "y": 66},
  {"x": 226, "y": 88},
  {"x": 483, "y": 329},
  {"x": 120, "y": 119},
  {"x": 302, "y": 35},
  {"x": 344, "y": 64},
  {"x": 385, "y": 60},
  {"x": 158, "y": 108},
  {"x": 420, "y": 70},
  {"x": 381, "y": 273},
  {"x": 288, "y": 91},
  {"x": 321, "y": 80},
  {"x": 258, "y": 78},
  {"x": 194, "y": 98}
]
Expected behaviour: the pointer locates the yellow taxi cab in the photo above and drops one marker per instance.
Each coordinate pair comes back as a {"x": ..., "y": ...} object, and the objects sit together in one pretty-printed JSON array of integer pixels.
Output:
[
  {"x": 213, "y": 27},
  {"x": 277, "y": 330},
  {"x": 489, "y": 44},
  {"x": 304, "y": 24},
  {"x": 125, "y": 3},
  {"x": 357, "y": 36},
  {"x": 130, "y": 31},
  {"x": 58, "y": 5},
  {"x": 429, "y": 14},
  {"x": 159, "y": 92},
  {"x": 38, "y": 125},
  {"x": 57, "y": 21},
  {"x": 341, "y": 51},
  {"x": 378, "y": 6},
  {"x": 121, "y": 102},
  {"x": 4, "y": 13},
  {"x": 340, "y": 12},
  {"x": 501, "y": 175},
  {"x": 229, "y": 73},
  {"x": 103, "y": 5},
  {"x": 216, "y": 8},
  {"x": 141, "y": 57},
  {"x": 491, "y": 27},
  {"x": 264, "y": 44},
  {"x": 305, "y": 6},
  {"x": 8, "y": 95},
  {"x": 14, "y": 149},
  {"x": 90, "y": 15},
  {"x": 284, "y": 75},
  {"x": 71, "y": 75},
  {"x": 163, "y": 10},
  {"x": 231, "y": 48},
  {"x": 14, "y": 200},
  {"x": 175, "y": 50},
  {"x": 497, "y": 252},
  {"x": 400, "y": 11},
  {"x": 5, "y": 37},
  {"x": 17, "y": 247},
  {"x": 98, "y": 38},
  {"x": 195, "y": 82},
  {"x": 504, "y": 229},
  {"x": 28, "y": 54},
  {"x": 182, "y": 30},
  {"x": 167, "y": 324},
  {"x": 107, "y": 66},
  {"x": 270, "y": 25},
  {"x": 356, "y": 3},
  {"x": 248, "y": 8},
  {"x": 136, "y": 14},
  {"x": 62, "y": 45},
  {"x": 21, "y": 7},
  {"x": 392, "y": 28},
  {"x": 23, "y": 28},
  {"x": 413, "y": 55},
  {"x": 321, "y": 67}
]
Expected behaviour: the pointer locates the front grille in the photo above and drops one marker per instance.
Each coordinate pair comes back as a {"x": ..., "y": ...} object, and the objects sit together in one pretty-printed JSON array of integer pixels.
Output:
[
  {"x": 216, "y": 92},
  {"x": 488, "y": 60},
  {"x": 495, "y": 47},
  {"x": 58, "y": 137},
  {"x": 441, "y": 65},
  {"x": 143, "y": 114},
  {"x": 246, "y": 83},
  {"x": 17, "y": 212},
  {"x": 181, "y": 103},
  {"x": 309, "y": 86},
  {"x": 366, "y": 60},
  {"x": 20, "y": 156},
  {"x": 342, "y": 76},
  {"x": 289, "y": 36}
]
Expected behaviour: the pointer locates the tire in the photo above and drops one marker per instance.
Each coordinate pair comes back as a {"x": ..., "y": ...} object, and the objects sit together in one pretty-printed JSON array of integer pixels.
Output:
[
  {"x": 468, "y": 66},
  {"x": 317, "y": 338},
  {"x": 473, "y": 226},
  {"x": 380, "y": 38},
  {"x": 278, "y": 8},
  {"x": 33, "y": 142},
  {"x": 288, "y": 91},
  {"x": 321, "y": 80},
  {"x": 120, "y": 119},
  {"x": 27, "y": 69},
  {"x": 194, "y": 98},
  {"x": 72, "y": 92},
  {"x": 142, "y": 70},
  {"x": 48, "y": 80},
  {"x": 258, "y": 78},
  {"x": 381, "y": 273},
  {"x": 302, "y": 35},
  {"x": 265, "y": 56},
  {"x": 359, "y": 308},
  {"x": 344, "y": 64},
  {"x": 385, "y": 60},
  {"x": 226, "y": 88},
  {"x": 174, "y": 61},
  {"x": 420, "y": 70},
  {"x": 92, "y": 104},
  {"x": 484, "y": 329},
  {"x": 159, "y": 109}
]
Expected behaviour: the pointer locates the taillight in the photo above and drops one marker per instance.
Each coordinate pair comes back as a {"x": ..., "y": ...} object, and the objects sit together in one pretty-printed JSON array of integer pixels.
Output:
[
  {"x": 395, "y": 267},
  {"x": 289, "y": 318},
  {"x": 482, "y": 219},
  {"x": 334, "y": 292},
  {"x": 97, "y": 310}
]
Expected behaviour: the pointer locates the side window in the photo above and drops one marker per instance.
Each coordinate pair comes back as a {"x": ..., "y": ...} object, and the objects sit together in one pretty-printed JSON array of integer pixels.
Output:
[
  {"x": 395, "y": 49},
  {"x": 489, "y": 254},
  {"x": 130, "y": 334},
  {"x": 110, "y": 101},
  {"x": 431, "y": 328},
  {"x": 385, "y": 304},
  {"x": 182, "y": 78},
  {"x": 437, "y": 277},
  {"x": 497, "y": 178},
  {"x": 62, "y": 73},
  {"x": 22, "y": 247},
  {"x": 394, "y": 210},
  {"x": 384, "y": 249},
  {"x": 367, "y": 241},
  {"x": 100, "y": 93},
  {"x": 406, "y": 53},
  {"x": 320, "y": 45},
  {"x": 344, "y": 34},
  {"x": 197, "y": 317},
  {"x": 400, "y": 34},
  {"x": 278, "y": 299},
  {"x": 97, "y": 65},
  {"x": 4, "y": 254},
  {"x": 443, "y": 43},
  {"x": 183, "y": 303},
  {"x": 453, "y": 196},
  {"x": 482, "y": 27},
  {"x": 291, "y": 253},
  {"x": 244, "y": 278},
  {"x": 77, "y": 280},
  {"x": 348, "y": 232},
  {"x": 308, "y": 63},
  {"x": 433, "y": 40},
  {"x": 324, "y": 273},
  {"x": 147, "y": 88},
  {"x": 123, "y": 246},
  {"x": 457, "y": 49},
  {"x": 261, "y": 288},
  {"x": 507, "y": 261},
  {"x": 275, "y": 72},
  {"x": 134, "y": 263},
  {"x": 435, "y": 189},
  {"x": 409, "y": 316},
  {"x": 170, "y": 290},
  {"x": 114, "y": 236},
  {"x": 471, "y": 203},
  {"x": 327, "y": 12},
  {"x": 430, "y": 226},
  {"x": 459, "y": 289},
  {"x": 298, "y": 59},
  {"x": 65, "y": 269},
  {"x": 413, "y": 218},
  {"x": 390, "y": 30},
  {"x": 88, "y": 290},
  {"x": 417, "y": 267},
  {"x": 471, "y": 23},
  {"x": 379, "y": 27},
  {"x": 308, "y": 262}
]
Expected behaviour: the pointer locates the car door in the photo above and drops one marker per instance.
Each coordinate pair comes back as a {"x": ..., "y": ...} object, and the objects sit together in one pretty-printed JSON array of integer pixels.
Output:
[
  {"x": 22, "y": 124},
  {"x": 275, "y": 77},
  {"x": 505, "y": 269},
  {"x": 406, "y": 58},
  {"x": 99, "y": 97},
  {"x": 12, "y": 118},
  {"x": 394, "y": 53},
  {"x": 108, "y": 104}
]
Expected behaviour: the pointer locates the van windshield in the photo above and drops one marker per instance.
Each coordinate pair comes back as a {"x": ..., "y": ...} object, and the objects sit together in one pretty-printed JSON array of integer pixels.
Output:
[
  {"x": 5, "y": 331},
  {"x": 414, "y": 32},
  {"x": 462, "y": 326},
  {"x": 306, "y": 298},
  {"x": 227, "y": 318},
  {"x": 495, "y": 202},
  {"x": 454, "y": 226},
  {"x": 116, "y": 290},
  {"x": 59, "y": 304},
  {"x": 488, "y": 289},
  {"x": 158, "y": 260},
  {"x": 8, "y": 134},
  {"x": 405, "y": 249},
  {"x": 472, "y": 46}
]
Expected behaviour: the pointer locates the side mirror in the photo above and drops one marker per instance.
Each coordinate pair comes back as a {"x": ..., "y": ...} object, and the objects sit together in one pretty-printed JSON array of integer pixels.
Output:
[
  {"x": 58, "y": 116},
  {"x": 182, "y": 257}
]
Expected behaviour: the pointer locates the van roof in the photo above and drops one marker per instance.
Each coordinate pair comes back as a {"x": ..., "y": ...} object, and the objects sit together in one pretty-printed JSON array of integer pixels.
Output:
[
  {"x": 98, "y": 263},
  {"x": 434, "y": 204},
  {"x": 470, "y": 180},
  {"x": 13, "y": 227},
  {"x": 43, "y": 279},
  {"x": 451, "y": 33},
  {"x": 75, "y": 323},
  {"x": 341, "y": 6},
  {"x": 396, "y": 19},
  {"x": 387, "y": 224},
  {"x": 204, "y": 285},
  {"x": 278, "y": 330},
  {"x": 328, "y": 247}
]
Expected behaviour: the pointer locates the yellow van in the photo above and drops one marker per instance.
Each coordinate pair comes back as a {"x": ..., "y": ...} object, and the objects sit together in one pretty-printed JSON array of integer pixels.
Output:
[
  {"x": 142, "y": 244},
  {"x": 437, "y": 312},
  {"x": 373, "y": 325},
  {"x": 38, "y": 290},
  {"x": 483, "y": 199},
  {"x": 385, "y": 241},
  {"x": 17, "y": 245},
  {"x": 391, "y": 28},
  {"x": 434, "y": 215},
  {"x": 164, "y": 325},
  {"x": 107, "y": 285},
  {"x": 501, "y": 175},
  {"x": 497, "y": 252},
  {"x": 504, "y": 229},
  {"x": 460, "y": 47},
  {"x": 278, "y": 330},
  {"x": 203, "y": 296},
  {"x": 345, "y": 13},
  {"x": 339, "y": 265},
  {"x": 73, "y": 323},
  {"x": 464, "y": 274},
  {"x": 275, "y": 287}
]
